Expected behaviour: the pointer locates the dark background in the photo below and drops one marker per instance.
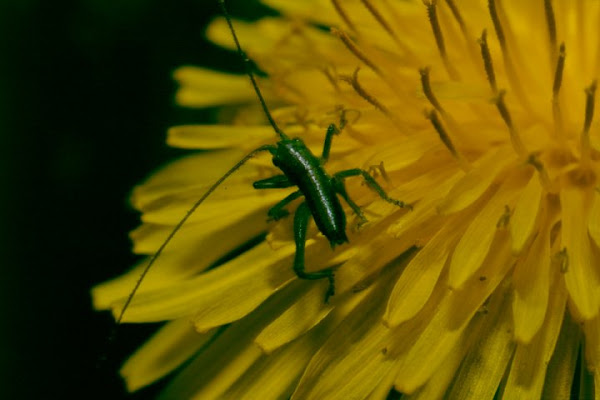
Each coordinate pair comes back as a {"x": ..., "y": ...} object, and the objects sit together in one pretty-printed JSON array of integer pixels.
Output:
[{"x": 86, "y": 96}]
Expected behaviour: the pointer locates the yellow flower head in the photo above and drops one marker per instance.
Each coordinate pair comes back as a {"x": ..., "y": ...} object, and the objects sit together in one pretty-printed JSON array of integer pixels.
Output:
[{"x": 479, "y": 114}]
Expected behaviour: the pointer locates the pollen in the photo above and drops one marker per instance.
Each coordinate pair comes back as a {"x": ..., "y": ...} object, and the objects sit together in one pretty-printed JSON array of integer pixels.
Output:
[{"x": 484, "y": 116}]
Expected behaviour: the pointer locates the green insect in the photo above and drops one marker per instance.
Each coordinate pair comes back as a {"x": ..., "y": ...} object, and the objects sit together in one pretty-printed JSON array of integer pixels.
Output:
[{"x": 302, "y": 169}]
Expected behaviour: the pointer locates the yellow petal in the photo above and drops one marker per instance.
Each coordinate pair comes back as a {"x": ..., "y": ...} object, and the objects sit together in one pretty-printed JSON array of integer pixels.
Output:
[
  {"x": 594, "y": 219},
  {"x": 182, "y": 182},
  {"x": 193, "y": 249},
  {"x": 161, "y": 205},
  {"x": 166, "y": 350},
  {"x": 422, "y": 351},
  {"x": 313, "y": 10},
  {"x": 413, "y": 228},
  {"x": 436, "y": 191},
  {"x": 586, "y": 381},
  {"x": 240, "y": 224},
  {"x": 402, "y": 152},
  {"x": 200, "y": 87},
  {"x": 426, "y": 189},
  {"x": 438, "y": 384},
  {"x": 288, "y": 362},
  {"x": 522, "y": 221},
  {"x": 352, "y": 373},
  {"x": 218, "y": 296},
  {"x": 416, "y": 283},
  {"x": 382, "y": 390},
  {"x": 528, "y": 370},
  {"x": 592, "y": 344},
  {"x": 217, "y": 136},
  {"x": 531, "y": 280},
  {"x": 217, "y": 366},
  {"x": 214, "y": 211},
  {"x": 106, "y": 293},
  {"x": 562, "y": 366},
  {"x": 353, "y": 359},
  {"x": 307, "y": 310},
  {"x": 258, "y": 37},
  {"x": 581, "y": 277},
  {"x": 371, "y": 257},
  {"x": 475, "y": 182},
  {"x": 190, "y": 170},
  {"x": 475, "y": 243},
  {"x": 275, "y": 375},
  {"x": 233, "y": 361},
  {"x": 489, "y": 354}
]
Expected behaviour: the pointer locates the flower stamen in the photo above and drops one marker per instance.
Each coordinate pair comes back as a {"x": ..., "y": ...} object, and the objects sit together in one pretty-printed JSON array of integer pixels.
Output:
[
  {"x": 463, "y": 28},
  {"x": 353, "y": 81},
  {"x": 384, "y": 24},
  {"x": 342, "y": 13},
  {"x": 581, "y": 34},
  {"x": 427, "y": 90},
  {"x": 331, "y": 75},
  {"x": 487, "y": 61},
  {"x": 497, "y": 24},
  {"x": 432, "y": 116},
  {"x": 358, "y": 53},
  {"x": 505, "y": 114},
  {"x": 511, "y": 72},
  {"x": 459, "y": 19},
  {"x": 551, "y": 23},
  {"x": 534, "y": 161},
  {"x": 558, "y": 74},
  {"x": 439, "y": 37},
  {"x": 590, "y": 93},
  {"x": 350, "y": 45},
  {"x": 377, "y": 15},
  {"x": 426, "y": 84}
]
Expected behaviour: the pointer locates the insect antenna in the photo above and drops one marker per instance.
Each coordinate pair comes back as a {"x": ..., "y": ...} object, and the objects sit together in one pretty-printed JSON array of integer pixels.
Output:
[
  {"x": 177, "y": 227},
  {"x": 272, "y": 122},
  {"x": 249, "y": 72},
  {"x": 268, "y": 147}
]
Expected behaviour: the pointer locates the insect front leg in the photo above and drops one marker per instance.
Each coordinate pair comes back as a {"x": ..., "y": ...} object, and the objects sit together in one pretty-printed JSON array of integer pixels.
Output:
[
  {"x": 275, "y": 182},
  {"x": 301, "y": 219},
  {"x": 331, "y": 130}
]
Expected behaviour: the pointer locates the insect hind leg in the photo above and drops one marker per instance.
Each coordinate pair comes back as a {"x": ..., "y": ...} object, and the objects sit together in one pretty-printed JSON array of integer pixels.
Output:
[
  {"x": 371, "y": 182},
  {"x": 301, "y": 219},
  {"x": 340, "y": 189},
  {"x": 278, "y": 211}
]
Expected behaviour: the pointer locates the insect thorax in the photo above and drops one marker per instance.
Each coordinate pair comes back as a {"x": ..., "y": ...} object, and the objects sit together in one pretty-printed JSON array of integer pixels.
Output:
[{"x": 305, "y": 170}]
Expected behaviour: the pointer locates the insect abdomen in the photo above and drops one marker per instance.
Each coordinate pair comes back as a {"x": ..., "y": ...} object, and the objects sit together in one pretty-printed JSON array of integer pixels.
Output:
[{"x": 305, "y": 170}]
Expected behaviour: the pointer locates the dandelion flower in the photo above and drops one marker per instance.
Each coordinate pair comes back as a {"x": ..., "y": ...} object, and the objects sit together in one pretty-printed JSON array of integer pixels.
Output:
[{"x": 480, "y": 114}]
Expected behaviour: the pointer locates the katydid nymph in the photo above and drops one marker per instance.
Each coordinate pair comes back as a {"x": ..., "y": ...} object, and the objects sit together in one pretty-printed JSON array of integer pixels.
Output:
[{"x": 302, "y": 169}]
